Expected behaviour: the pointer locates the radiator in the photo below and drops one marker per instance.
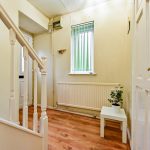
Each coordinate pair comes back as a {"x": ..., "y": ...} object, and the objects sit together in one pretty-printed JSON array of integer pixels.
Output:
[{"x": 84, "y": 95}]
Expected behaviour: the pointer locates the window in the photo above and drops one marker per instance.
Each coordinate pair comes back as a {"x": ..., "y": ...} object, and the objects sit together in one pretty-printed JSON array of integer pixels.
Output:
[{"x": 82, "y": 48}]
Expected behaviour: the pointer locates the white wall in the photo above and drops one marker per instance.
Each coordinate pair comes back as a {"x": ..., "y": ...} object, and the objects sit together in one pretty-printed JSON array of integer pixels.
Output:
[
  {"x": 12, "y": 7},
  {"x": 5, "y": 59},
  {"x": 14, "y": 138},
  {"x": 112, "y": 48},
  {"x": 29, "y": 10}
]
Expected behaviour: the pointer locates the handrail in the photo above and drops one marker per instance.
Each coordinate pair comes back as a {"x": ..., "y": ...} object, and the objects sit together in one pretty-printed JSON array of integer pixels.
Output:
[{"x": 10, "y": 25}]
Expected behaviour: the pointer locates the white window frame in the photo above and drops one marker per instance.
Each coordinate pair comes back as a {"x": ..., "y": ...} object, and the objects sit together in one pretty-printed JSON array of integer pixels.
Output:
[{"x": 92, "y": 72}]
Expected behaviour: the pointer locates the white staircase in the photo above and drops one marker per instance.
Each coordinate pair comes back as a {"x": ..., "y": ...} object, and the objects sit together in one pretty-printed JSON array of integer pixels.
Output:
[{"x": 12, "y": 135}]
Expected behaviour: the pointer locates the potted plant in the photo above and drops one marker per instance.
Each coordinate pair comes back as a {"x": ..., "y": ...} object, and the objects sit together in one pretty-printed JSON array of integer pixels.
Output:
[{"x": 116, "y": 98}]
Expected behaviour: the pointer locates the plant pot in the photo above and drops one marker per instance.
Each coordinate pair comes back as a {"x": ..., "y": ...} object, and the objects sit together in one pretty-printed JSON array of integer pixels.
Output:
[{"x": 116, "y": 108}]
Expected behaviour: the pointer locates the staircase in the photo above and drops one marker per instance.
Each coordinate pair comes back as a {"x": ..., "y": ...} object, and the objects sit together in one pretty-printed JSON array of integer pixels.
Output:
[{"x": 12, "y": 135}]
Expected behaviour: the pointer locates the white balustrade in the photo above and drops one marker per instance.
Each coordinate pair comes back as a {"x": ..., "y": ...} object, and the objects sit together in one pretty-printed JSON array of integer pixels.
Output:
[{"x": 16, "y": 34}]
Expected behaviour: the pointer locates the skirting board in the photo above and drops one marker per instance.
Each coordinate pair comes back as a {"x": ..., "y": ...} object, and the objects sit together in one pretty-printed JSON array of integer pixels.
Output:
[
  {"x": 80, "y": 107},
  {"x": 77, "y": 113},
  {"x": 49, "y": 107},
  {"x": 72, "y": 112},
  {"x": 129, "y": 137}
]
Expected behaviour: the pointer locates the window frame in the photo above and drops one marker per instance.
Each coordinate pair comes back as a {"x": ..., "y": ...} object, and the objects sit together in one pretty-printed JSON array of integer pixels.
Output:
[{"x": 92, "y": 72}]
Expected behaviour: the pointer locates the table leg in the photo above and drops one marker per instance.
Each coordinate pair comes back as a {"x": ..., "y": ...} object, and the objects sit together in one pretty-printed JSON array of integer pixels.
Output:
[
  {"x": 102, "y": 126},
  {"x": 124, "y": 132}
]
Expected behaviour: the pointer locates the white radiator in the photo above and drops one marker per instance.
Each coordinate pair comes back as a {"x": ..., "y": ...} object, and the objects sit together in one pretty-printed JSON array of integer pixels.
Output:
[{"x": 84, "y": 95}]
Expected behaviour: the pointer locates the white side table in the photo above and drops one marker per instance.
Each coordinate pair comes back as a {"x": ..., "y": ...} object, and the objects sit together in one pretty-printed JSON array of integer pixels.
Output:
[{"x": 109, "y": 113}]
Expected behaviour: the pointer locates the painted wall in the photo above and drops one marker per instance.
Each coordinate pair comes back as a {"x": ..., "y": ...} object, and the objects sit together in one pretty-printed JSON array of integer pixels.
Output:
[
  {"x": 12, "y": 8},
  {"x": 5, "y": 58},
  {"x": 112, "y": 48},
  {"x": 13, "y": 137},
  {"x": 30, "y": 11},
  {"x": 43, "y": 47}
]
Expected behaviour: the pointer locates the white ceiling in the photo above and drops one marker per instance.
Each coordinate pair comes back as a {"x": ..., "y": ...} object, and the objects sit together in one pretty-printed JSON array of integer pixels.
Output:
[
  {"x": 59, "y": 7},
  {"x": 29, "y": 25}
]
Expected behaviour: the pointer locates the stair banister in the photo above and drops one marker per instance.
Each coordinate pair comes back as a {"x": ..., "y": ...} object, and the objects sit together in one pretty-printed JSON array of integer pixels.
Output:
[{"x": 16, "y": 35}]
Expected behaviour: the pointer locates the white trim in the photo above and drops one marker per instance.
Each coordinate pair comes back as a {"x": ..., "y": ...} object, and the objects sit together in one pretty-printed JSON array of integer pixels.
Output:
[
  {"x": 82, "y": 73},
  {"x": 76, "y": 113},
  {"x": 89, "y": 83},
  {"x": 49, "y": 107},
  {"x": 80, "y": 107},
  {"x": 129, "y": 137},
  {"x": 69, "y": 111}
]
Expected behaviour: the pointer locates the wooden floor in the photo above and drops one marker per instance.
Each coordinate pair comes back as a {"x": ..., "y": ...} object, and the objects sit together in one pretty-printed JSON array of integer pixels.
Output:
[{"x": 74, "y": 132}]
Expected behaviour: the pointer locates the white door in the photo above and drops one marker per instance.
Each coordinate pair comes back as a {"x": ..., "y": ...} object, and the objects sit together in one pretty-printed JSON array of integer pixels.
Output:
[{"x": 141, "y": 101}]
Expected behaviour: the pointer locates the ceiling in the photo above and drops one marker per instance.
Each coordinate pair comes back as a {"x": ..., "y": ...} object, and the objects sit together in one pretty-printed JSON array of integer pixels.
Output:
[
  {"x": 59, "y": 7},
  {"x": 28, "y": 25}
]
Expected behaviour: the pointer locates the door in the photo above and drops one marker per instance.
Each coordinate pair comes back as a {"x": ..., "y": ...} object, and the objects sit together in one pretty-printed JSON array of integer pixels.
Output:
[{"x": 141, "y": 99}]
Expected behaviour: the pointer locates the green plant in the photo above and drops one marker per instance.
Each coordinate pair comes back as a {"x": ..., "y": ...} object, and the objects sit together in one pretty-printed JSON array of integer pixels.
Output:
[{"x": 116, "y": 96}]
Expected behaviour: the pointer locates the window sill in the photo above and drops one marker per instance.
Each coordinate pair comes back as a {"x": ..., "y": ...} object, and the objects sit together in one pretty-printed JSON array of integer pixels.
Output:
[{"x": 82, "y": 73}]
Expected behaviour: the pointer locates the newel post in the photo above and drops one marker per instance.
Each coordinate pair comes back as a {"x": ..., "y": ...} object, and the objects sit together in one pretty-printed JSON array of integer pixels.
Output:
[
  {"x": 12, "y": 38},
  {"x": 44, "y": 118}
]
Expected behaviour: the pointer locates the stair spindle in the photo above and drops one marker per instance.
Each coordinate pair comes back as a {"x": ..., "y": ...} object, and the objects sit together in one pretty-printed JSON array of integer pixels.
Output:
[
  {"x": 44, "y": 118},
  {"x": 12, "y": 38},
  {"x": 25, "y": 102},
  {"x": 35, "y": 115}
]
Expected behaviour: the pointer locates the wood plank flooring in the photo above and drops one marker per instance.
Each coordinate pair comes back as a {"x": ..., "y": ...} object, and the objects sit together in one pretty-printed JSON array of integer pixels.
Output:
[{"x": 74, "y": 132}]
